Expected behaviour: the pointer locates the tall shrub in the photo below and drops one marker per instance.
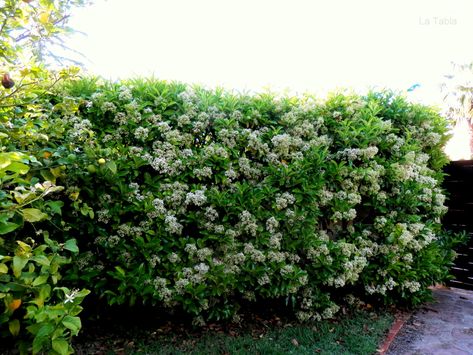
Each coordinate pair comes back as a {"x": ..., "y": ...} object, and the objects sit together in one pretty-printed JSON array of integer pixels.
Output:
[{"x": 202, "y": 200}]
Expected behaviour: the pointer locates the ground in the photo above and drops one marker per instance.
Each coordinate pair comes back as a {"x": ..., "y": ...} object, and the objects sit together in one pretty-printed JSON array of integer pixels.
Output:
[{"x": 442, "y": 327}]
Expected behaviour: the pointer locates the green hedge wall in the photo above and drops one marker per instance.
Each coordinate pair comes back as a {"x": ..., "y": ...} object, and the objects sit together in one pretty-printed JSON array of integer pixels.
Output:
[{"x": 204, "y": 200}]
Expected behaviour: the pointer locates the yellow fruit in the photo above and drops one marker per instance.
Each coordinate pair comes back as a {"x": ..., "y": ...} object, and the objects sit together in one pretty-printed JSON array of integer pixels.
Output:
[
  {"x": 43, "y": 18},
  {"x": 46, "y": 155},
  {"x": 101, "y": 161},
  {"x": 15, "y": 304}
]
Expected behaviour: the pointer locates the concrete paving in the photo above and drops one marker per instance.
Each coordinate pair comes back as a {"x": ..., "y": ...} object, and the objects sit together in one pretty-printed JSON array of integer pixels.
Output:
[{"x": 443, "y": 327}]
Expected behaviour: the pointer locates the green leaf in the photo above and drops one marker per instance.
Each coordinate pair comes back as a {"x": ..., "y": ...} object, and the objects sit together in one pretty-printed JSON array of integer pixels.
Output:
[
  {"x": 40, "y": 280},
  {"x": 17, "y": 167},
  {"x": 44, "y": 293},
  {"x": 41, "y": 259},
  {"x": 72, "y": 323},
  {"x": 18, "y": 264},
  {"x": 45, "y": 330},
  {"x": 120, "y": 270},
  {"x": 61, "y": 346},
  {"x": 33, "y": 215},
  {"x": 55, "y": 206},
  {"x": 82, "y": 293},
  {"x": 38, "y": 344},
  {"x": 47, "y": 175},
  {"x": 8, "y": 227},
  {"x": 4, "y": 161},
  {"x": 57, "y": 172},
  {"x": 71, "y": 246},
  {"x": 14, "y": 327},
  {"x": 112, "y": 167},
  {"x": 3, "y": 269}
]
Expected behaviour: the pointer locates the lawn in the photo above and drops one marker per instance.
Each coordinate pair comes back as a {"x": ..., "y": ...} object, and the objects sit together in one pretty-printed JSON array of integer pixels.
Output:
[{"x": 355, "y": 333}]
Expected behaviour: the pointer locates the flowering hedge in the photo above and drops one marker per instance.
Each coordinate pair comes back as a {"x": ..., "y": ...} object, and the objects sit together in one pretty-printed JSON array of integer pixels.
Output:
[{"x": 204, "y": 200}]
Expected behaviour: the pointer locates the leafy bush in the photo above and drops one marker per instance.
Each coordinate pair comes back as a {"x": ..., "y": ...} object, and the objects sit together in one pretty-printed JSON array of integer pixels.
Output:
[
  {"x": 201, "y": 199},
  {"x": 39, "y": 313},
  {"x": 26, "y": 287},
  {"x": 33, "y": 308}
]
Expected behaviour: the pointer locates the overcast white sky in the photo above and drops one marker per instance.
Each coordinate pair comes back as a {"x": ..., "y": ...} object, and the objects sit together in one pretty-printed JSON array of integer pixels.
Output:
[{"x": 300, "y": 45}]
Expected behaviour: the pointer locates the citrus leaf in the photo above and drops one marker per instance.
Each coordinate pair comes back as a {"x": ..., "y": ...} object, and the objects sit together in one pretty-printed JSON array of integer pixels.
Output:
[
  {"x": 17, "y": 167},
  {"x": 33, "y": 215},
  {"x": 41, "y": 259},
  {"x": 14, "y": 327},
  {"x": 47, "y": 175},
  {"x": 40, "y": 280},
  {"x": 18, "y": 264},
  {"x": 72, "y": 323},
  {"x": 45, "y": 330},
  {"x": 8, "y": 227},
  {"x": 4, "y": 161},
  {"x": 82, "y": 293},
  {"x": 61, "y": 346},
  {"x": 3, "y": 269}
]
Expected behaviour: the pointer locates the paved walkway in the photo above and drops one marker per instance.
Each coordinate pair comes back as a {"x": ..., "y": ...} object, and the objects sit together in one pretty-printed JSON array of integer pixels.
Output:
[{"x": 443, "y": 327}]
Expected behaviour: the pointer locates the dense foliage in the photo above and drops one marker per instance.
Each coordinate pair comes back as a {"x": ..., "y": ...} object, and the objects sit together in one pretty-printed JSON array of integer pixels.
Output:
[
  {"x": 35, "y": 308},
  {"x": 203, "y": 200}
]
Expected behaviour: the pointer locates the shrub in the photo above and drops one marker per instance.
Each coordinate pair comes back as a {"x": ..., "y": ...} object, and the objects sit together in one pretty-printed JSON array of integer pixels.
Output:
[
  {"x": 200, "y": 199},
  {"x": 36, "y": 310},
  {"x": 32, "y": 305},
  {"x": 48, "y": 313}
]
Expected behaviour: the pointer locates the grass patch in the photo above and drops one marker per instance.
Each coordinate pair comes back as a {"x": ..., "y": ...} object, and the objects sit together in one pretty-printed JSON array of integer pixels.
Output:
[{"x": 359, "y": 333}]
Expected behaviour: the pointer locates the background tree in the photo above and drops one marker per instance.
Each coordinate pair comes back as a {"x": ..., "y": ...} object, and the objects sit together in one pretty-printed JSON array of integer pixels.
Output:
[
  {"x": 458, "y": 98},
  {"x": 31, "y": 26},
  {"x": 28, "y": 29}
]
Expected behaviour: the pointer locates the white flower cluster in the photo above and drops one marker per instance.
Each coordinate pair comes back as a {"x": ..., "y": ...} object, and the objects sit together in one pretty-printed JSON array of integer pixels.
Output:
[
  {"x": 254, "y": 254},
  {"x": 412, "y": 286},
  {"x": 344, "y": 215},
  {"x": 249, "y": 170},
  {"x": 172, "y": 225},
  {"x": 141, "y": 133},
  {"x": 135, "y": 193},
  {"x": 103, "y": 215},
  {"x": 381, "y": 289},
  {"x": 81, "y": 131},
  {"x": 284, "y": 200},
  {"x": 197, "y": 198},
  {"x": 351, "y": 272},
  {"x": 357, "y": 153},
  {"x": 248, "y": 223},
  {"x": 272, "y": 225},
  {"x": 158, "y": 205}
]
